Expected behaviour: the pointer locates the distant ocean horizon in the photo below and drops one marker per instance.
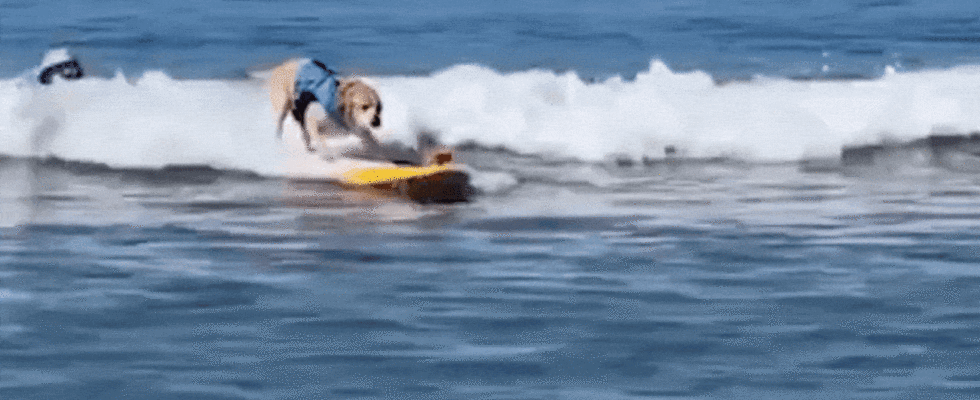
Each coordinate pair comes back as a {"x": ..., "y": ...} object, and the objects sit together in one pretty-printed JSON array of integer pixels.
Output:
[{"x": 726, "y": 39}]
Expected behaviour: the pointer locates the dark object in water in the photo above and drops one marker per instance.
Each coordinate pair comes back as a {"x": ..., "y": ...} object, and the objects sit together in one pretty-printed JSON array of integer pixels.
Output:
[
  {"x": 861, "y": 155},
  {"x": 968, "y": 144},
  {"x": 952, "y": 151},
  {"x": 624, "y": 162},
  {"x": 70, "y": 70}
]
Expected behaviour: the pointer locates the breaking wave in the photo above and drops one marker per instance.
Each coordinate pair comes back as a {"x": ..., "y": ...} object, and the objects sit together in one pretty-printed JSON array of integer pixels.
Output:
[{"x": 155, "y": 120}]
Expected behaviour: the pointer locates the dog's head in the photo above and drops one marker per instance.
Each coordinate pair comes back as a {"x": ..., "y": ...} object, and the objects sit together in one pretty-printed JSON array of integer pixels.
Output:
[{"x": 359, "y": 105}]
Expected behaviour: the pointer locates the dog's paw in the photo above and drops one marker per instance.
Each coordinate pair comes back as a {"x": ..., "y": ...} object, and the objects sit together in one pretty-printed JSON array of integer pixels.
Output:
[{"x": 438, "y": 156}]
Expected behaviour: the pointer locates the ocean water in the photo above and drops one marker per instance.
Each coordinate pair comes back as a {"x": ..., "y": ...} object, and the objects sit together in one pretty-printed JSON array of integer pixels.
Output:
[
  {"x": 730, "y": 39},
  {"x": 719, "y": 280},
  {"x": 158, "y": 242}
]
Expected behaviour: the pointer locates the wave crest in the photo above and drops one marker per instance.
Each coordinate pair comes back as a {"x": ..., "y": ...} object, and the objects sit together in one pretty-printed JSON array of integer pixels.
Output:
[{"x": 154, "y": 120}]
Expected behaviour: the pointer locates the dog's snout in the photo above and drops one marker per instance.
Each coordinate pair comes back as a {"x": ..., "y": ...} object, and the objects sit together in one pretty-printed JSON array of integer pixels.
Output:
[{"x": 376, "y": 122}]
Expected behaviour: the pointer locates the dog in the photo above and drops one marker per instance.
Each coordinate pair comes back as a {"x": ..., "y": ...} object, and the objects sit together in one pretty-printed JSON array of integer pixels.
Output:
[{"x": 324, "y": 104}]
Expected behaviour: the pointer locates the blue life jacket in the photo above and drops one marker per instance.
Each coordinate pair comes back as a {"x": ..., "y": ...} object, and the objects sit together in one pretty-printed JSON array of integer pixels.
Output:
[{"x": 314, "y": 82}]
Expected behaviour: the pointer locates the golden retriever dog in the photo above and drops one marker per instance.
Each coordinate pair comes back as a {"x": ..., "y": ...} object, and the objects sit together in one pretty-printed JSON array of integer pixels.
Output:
[{"x": 324, "y": 104}]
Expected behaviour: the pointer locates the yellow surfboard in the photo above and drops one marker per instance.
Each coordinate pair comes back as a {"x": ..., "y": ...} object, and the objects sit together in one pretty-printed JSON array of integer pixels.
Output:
[{"x": 445, "y": 183}]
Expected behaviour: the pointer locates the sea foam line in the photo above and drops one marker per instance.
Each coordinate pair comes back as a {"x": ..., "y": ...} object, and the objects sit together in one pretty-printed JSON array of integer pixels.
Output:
[{"x": 155, "y": 120}]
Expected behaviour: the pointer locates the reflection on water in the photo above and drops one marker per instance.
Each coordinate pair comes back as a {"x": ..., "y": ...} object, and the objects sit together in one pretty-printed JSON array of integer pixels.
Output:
[{"x": 577, "y": 281}]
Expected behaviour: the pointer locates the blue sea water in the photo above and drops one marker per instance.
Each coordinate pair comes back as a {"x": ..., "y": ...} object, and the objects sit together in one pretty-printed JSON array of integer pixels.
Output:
[
  {"x": 729, "y": 39},
  {"x": 732, "y": 270},
  {"x": 718, "y": 280}
]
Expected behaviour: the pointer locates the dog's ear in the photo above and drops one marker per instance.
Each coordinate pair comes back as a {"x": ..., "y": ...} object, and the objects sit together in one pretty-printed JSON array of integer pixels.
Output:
[
  {"x": 372, "y": 94},
  {"x": 342, "y": 110}
]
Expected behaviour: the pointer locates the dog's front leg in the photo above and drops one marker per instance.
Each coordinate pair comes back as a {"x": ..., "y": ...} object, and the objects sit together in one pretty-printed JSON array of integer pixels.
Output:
[
  {"x": 315, "y": 121},
  {"x": 372, "y": 148},
  {"x": 307, "y": 140}
]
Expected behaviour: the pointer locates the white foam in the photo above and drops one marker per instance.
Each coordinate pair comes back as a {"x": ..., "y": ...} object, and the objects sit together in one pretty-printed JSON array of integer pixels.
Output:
[
  {"x": 765, "y": 119},
  {"x": 55, "y": 56},
  {"x": 154, "y": 120},
  {"x": 492, "y": 182},
  {"x": 150, "y": 121}
]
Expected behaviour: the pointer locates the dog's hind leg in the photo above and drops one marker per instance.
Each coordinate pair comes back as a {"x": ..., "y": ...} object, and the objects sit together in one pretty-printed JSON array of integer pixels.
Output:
[
  {"x": 280, "y": 86},
  {"x": 286, "y": 108}
]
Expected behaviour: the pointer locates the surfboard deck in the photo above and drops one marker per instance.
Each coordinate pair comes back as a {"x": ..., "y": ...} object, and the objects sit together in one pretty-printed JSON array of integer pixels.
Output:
[{"x": 445, "y": 183}]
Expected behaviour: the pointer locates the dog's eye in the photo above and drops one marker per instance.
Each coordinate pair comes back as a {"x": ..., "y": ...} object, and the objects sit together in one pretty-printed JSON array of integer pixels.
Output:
[{"x": 365, "y": 108}]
